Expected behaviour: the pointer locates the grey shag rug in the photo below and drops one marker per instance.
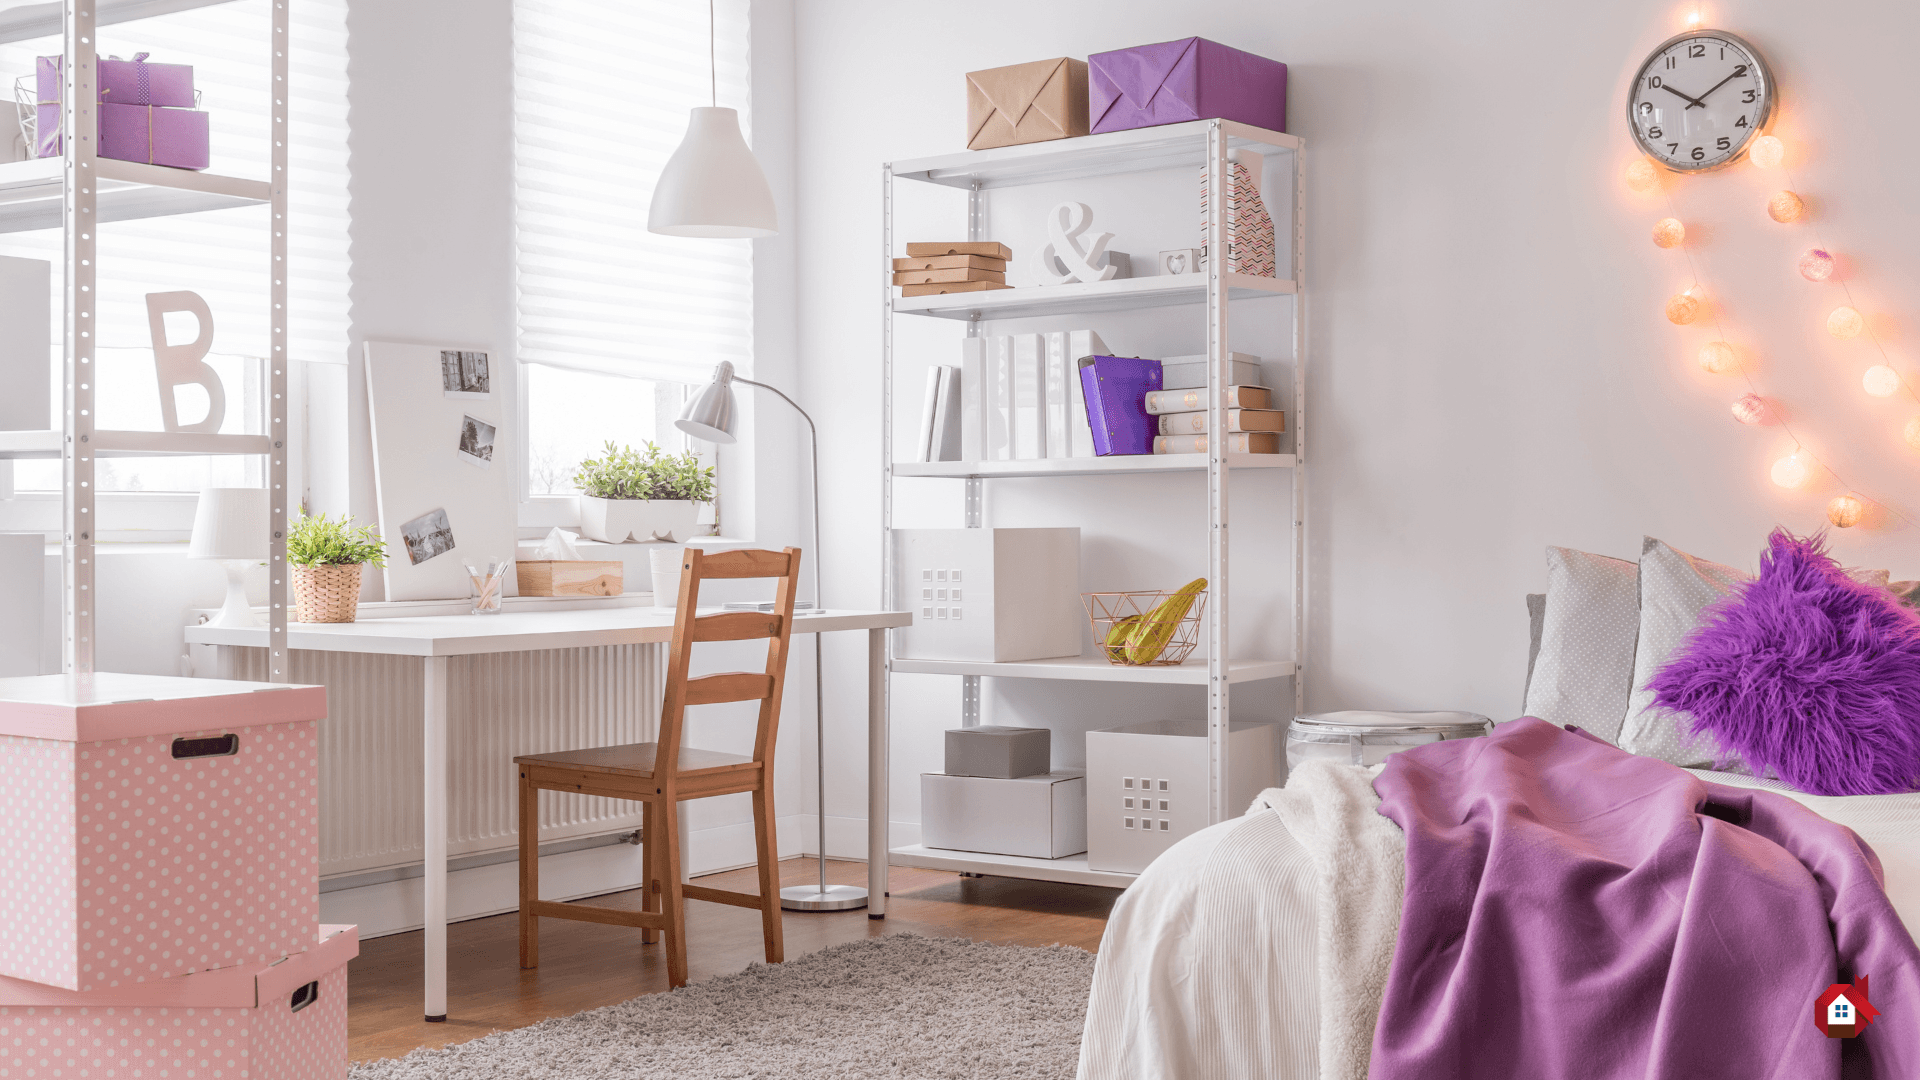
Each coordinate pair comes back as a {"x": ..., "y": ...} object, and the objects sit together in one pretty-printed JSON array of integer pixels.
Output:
[{"x": 895, "y": 1006}]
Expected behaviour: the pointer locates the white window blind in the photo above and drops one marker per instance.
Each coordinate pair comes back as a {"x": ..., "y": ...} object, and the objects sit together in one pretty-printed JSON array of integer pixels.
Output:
[{"x": 601, "y": 98}]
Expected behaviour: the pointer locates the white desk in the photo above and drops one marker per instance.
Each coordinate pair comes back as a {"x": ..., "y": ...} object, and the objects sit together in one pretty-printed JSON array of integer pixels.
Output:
[{"x": 435, "y": 638}]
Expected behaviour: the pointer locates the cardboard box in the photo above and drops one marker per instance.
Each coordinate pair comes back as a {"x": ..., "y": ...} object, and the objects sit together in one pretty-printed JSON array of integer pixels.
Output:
[
  {"x": 989, "y": 595},
  {"x": 939, "y": 288},
  {"x": 951, "y": 262},
  {"x": 1040, "y": 817},
  {"x": 993, "y": 750},
  {"x": 988, "y": 248},
  {"x": 570, "y": 577},
  {"x": 956, "y": 273},
  {"x": 1026, "y": 103},
  {"x": 1147, "y": 785}
]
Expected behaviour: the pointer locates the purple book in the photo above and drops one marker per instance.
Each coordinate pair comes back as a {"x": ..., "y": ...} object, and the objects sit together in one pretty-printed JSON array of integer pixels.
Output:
[
  {"x": 1189, "y": 79},
  {"x": 1116, "y": 388}
]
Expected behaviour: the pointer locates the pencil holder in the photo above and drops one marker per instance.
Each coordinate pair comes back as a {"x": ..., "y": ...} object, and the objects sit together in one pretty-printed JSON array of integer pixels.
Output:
[
  {"x": 1134, "y": 629},
  {"x": 488, "y": 586}
]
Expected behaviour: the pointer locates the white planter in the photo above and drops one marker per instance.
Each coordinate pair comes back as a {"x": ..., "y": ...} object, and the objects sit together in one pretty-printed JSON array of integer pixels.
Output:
[{"x": 615, "y": 521}]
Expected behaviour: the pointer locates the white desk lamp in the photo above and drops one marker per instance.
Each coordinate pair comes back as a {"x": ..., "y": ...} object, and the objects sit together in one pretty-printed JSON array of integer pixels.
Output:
[
  {"x": 709, "y": 415},
  {"x": 230, "y": 524}
]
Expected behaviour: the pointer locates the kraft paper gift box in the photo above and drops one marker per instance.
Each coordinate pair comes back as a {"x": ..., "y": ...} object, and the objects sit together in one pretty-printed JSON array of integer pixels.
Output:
[
  {"x": 1190, "y": 79},
  {"x": 123, "y": 82},
  {"x": 1026, "y": 103}
]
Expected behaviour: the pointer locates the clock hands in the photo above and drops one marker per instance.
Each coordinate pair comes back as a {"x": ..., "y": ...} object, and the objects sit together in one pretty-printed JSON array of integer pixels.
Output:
[
  {"x": 1702, "y": 100},
  {"x": 1692, "y": 101}
]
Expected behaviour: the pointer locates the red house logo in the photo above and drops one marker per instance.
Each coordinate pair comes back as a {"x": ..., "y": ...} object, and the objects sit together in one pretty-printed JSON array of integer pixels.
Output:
[{"x": 1844, "y": 1011}]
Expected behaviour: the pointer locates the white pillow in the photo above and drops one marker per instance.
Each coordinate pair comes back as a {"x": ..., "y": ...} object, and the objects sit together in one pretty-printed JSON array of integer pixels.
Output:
[
  {"x": 1674, "y": 588},
  {"x": 1585, "y": 666}
]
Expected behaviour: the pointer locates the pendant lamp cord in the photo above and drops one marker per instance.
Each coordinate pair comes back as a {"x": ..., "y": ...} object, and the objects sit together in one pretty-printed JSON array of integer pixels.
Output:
[{"x": 713, "y": 65}]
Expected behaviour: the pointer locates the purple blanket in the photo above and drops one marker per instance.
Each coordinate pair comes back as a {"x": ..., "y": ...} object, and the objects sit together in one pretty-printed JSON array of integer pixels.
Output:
[{"x": 1574, "y": 912}]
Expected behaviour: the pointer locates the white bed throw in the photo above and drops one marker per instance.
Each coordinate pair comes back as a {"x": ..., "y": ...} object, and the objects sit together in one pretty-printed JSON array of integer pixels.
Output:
[{"x": 1256, "y": 948}]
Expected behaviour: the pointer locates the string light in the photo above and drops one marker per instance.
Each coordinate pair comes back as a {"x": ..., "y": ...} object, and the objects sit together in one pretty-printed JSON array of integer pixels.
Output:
[
  {"x": 1718, "y": 357},
  {"x": 1845, "y": 511},
  {"x": 1785, "y": 206},
  {"x": 1766, "y": 152},
  {"x": 1641, "y": 175},
  {"x": 1880, "y": 381},
  {"x": 1668, "y": 232},
  {"x": 1750, "y": 409},
  {"x": 1790, "y": 471},
  {"x": 1816, "y": 265},
  {"x": 1683, "y": 308},
  {"x": 1845, "y": 322}
]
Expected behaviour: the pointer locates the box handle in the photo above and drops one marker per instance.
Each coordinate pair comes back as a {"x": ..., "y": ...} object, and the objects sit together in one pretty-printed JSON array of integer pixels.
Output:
[
  {"x": 304, "y": 996},
  {"x": 218, "y": 746}
]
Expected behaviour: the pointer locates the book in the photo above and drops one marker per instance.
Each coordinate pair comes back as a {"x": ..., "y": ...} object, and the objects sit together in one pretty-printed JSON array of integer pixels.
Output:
[
  {"x": 951, "y": 262},
  {"x": 937, "y": 277},
  {"x": 973, "y": 376},
  {"x": 988, "y": 248},
  {"x": 1243, "y": 442},
  {"x": 1029, "y": 397},
  {"x": 1177, "y": 401},
  {"x": 938, "y": 288},
  {"x": 945, "y": 445},
  {"x": 1115, "y": 387},
  {"x": 997, "y": 405},
  {"x": 1064, "y": 352},
  {"x": 927, "y": 407},
  {"x": 1195, "y": 423}
]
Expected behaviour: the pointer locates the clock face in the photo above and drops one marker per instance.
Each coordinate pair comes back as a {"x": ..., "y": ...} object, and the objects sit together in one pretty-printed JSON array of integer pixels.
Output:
[{"x": 1699, "y": 100}]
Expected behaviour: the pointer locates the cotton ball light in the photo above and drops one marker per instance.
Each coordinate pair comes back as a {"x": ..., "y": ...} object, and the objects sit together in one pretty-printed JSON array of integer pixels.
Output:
[
  {"x": 1880, "y": 381},
  {"x": 1766, "y": 152},
  {"x": 1790, "y": 471},
  {"x": 1816, "y": 265},
  {"x": 1912, "y": 434},
  {"x": 1668, "y": 232},
  {"x": 1785, "y": 206},
  {"x": 1845, "y": 322},
  {"x": 1845, "y": 510},
  {"x": 1717, "y": 357},
  {"x": 1750, "y": 409},
  {"x": 1641, "y": 175},
  {"x": 1683, "y": 308}
]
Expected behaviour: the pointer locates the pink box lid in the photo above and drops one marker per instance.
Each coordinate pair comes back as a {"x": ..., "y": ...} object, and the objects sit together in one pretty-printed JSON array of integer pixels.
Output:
[
  {"x": 106, "y": 705},
  {"x": 240, "y": 986}
]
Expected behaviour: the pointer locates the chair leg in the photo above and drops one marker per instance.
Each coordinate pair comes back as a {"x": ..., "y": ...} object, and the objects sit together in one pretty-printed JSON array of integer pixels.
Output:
[
  {"x": 649, "y": 870},
  {"x": 673, "y": 902},
  {"x": 769, "y": 859},
  {"x": 529, "y": 872}
]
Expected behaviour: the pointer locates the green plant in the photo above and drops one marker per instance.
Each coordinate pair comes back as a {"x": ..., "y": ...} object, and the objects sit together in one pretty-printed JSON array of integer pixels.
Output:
[
  {"x": 322, "y": 541},
  {"x": 626, "y": 473}
]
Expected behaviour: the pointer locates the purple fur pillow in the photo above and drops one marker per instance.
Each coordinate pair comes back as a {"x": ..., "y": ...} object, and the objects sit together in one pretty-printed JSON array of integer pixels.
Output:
[{"x": 1807, "y": 673}]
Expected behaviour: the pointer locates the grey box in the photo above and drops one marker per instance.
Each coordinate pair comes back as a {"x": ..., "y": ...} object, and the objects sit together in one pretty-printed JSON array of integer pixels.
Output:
[
  {"x": 1190, "y": 372},
  {"x": 1040, "y": 817},
  {"x": 1006, "y": 753}
]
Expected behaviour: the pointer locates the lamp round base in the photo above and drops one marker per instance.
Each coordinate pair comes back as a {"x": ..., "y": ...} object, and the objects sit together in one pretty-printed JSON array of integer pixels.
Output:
[{"x": 810, "y": 898}]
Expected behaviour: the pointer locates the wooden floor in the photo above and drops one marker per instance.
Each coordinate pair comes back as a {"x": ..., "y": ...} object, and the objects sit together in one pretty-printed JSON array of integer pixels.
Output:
[{"x": 587, "y": 965}]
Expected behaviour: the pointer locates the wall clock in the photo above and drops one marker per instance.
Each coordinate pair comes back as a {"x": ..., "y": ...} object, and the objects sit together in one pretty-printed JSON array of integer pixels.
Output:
[{"x": 1699, "y": 99}]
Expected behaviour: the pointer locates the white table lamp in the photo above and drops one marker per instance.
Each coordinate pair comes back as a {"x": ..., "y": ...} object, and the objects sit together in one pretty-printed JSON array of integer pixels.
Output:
[{"x": 230, "y": 524}]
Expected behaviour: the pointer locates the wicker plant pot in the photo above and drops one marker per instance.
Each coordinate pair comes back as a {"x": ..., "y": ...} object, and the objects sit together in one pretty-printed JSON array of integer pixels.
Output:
[{"x": 326, "y": 592}]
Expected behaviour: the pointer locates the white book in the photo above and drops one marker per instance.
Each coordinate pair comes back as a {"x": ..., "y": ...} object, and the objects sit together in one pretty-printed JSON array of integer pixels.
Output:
[
  {"x": 1079, "y": 343},
  {"x": 946, "y": 417},
  {"x": 973, "y": 373},
  {"x": 1059, "y": 397},
  {"x": 924, "y": 450},
  {"x": 996, "y": 401},
  {"x": 1029, "y": 397}
]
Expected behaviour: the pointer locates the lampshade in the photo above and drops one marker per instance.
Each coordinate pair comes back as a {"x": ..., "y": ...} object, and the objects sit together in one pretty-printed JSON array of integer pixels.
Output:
[
  {"x": 708, "y": 414},
  {"x": 712, "y": 185},
  {"x": 230, "y": 523}
]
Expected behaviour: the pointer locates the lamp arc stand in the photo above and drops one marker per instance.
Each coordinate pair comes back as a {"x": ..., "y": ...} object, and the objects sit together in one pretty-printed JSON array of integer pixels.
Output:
[{"x": 824, "y": 897}]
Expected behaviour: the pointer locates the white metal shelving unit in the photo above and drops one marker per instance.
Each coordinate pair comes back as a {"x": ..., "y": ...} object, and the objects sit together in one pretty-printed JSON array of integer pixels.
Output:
[
  {"x": 1198, "y": 145},
  {"x": 79, "y": 192}
]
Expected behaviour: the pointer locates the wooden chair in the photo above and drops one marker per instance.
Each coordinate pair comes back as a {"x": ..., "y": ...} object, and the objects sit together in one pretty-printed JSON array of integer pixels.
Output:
[{"x": 636, "y": 772}]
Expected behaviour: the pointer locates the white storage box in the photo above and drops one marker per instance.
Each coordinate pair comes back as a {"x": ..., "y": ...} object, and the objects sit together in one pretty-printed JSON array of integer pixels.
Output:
[
  {"x": 1041, "y": 817},
  {"x": 1147, "y": 785},
  {"x": 1188, "y": 372},
  {"x": 1359, "y": 737},
  {"x": 988, "y": 595}
]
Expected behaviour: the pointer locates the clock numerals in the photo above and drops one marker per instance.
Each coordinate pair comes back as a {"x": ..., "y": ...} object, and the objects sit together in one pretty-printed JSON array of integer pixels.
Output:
[
  {"x": 1742, "y": 122},
  {"x": 1696, "y": 50},
  {"x": 1699, "y": 153},
  {"x": 1671, "y": 63},
  {"x": 1655, "y": 133},
  {"x": 1747, "y": 96},
  {"x": 1653, "y": 82},
  {"x": 1740, "y": 72},
  {"x": 1723, "y": 143},
  {"x": 1673, "y": 148}
]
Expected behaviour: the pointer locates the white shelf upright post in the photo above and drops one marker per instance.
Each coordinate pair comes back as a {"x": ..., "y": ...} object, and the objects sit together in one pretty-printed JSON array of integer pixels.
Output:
[
  {"x": 879, "y": 795},
  {"x": 1218, "y": 378},
  {"x": 79, "y": 512},
  {"x": 279, "y": 666},
  {"x": 1300, "y": 595}
]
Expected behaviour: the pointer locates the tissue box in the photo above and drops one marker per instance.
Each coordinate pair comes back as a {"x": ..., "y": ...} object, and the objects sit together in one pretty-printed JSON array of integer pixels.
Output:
[
  {"x": 177, "y": 138},
  {"x": 1189, "y": 79},
  {"x": 570, "y": 577},
  {"x": 1004, "y": 752},
  {"x": 123, "y": 82}
]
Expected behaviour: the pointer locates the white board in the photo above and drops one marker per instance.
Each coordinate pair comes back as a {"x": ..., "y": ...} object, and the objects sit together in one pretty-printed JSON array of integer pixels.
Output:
[
  {"x": 421, "y": 408},
  {"x": 26, "y": 342}
]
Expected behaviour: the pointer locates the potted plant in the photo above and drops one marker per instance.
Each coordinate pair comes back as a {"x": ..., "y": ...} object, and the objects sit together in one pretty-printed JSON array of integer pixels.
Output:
[
  {"x": 327, "y": 557},
  {"x": 626, "y": 494}
]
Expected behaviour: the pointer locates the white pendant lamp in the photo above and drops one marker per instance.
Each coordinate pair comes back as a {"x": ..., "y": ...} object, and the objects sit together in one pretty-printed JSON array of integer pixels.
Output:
[{"x": 712, "y": 185}]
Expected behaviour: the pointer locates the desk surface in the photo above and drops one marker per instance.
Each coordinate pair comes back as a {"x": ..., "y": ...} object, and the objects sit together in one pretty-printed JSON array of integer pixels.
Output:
[{"x": 520, "y": 631}]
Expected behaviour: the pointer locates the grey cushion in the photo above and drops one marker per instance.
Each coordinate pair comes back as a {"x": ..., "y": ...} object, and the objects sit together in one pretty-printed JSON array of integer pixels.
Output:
[
  {"x": 1585, "y": 663},
  {"x": 1674, "y": 588},
  {"x": 1536, "y": 617}
]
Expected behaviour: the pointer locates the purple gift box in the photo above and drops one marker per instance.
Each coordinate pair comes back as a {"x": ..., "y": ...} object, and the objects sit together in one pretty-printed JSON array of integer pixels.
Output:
[
  {"x": 1189, "y": 79},
  {"x": 152, "y": 136},
  {"x": 124, "y": 82}
]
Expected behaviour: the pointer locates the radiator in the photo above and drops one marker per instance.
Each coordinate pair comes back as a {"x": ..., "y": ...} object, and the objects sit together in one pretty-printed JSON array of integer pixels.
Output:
[{"x": 500, "y": 705}]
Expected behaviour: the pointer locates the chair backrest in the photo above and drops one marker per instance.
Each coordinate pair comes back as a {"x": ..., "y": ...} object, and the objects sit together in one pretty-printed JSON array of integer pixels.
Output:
[{"x": 689, "y": 626}]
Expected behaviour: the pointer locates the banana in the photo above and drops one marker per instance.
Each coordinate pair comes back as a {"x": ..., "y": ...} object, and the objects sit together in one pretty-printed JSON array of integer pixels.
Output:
[
  {"x": 1149, "y": 636},
  {"x": 1115, "y": 644}
]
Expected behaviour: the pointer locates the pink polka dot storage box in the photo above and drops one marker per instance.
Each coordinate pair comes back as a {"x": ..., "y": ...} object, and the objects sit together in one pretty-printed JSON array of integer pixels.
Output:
[
  {"x": 286, "y": 1020},
  {"x": 152, "y": 827}
]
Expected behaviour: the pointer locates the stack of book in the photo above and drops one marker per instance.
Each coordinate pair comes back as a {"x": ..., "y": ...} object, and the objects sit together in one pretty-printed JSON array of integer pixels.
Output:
[
  {"x": 1253, "y": 425},
  {"x": 969, "y": 266}
]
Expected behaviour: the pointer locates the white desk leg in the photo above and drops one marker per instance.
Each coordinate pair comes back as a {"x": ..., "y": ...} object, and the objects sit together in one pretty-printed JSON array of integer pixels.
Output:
[
  {"x": 878, "y": 777},
  {"x": 436, "y": 838}
]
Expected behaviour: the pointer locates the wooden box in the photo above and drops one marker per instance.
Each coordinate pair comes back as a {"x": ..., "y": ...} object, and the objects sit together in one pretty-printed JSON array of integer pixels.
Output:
[{"x": 570, "y": 577}]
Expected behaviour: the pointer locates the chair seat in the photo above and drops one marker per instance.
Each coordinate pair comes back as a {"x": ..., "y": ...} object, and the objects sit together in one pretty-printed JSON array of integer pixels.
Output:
[{"x": 636, "y": 759}]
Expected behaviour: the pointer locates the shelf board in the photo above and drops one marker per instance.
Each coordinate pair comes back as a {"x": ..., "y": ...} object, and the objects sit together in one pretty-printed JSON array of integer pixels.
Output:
[
  {"x": 31, "y": 192},
  {"x": 1097, "y": 669},
  {"x": 20, "y": 22},
  {"x": 1126, "y": 294},
  {"x": 1119, "y": 464},
  {"x": 110, "y": 444},
  {"x": 1172, "y": 146},
  {"x": 1072, "y": 869}
]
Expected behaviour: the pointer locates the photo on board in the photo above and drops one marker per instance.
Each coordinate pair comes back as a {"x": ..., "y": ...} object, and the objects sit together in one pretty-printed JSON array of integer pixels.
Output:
[
  {"x": 465, "y": 374},
  {"x": 476, "y": 442},
  {"x": 428, "y": 535}
]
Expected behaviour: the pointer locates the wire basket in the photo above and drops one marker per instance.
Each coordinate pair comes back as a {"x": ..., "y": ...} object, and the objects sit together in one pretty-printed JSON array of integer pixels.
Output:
[
  {"x": 25, "y": 103},
  {"x": 1106, "y": 610}
]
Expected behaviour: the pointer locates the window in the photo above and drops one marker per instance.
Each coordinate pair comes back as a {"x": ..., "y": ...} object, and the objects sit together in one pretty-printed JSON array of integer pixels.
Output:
[
  {"x": 613, "y": 321},
  {"x": 221, "y": 255}
]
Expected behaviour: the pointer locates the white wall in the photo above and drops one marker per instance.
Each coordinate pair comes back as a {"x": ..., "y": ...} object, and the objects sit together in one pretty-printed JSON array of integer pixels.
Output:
[{"x": 1490, "y": 369}]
